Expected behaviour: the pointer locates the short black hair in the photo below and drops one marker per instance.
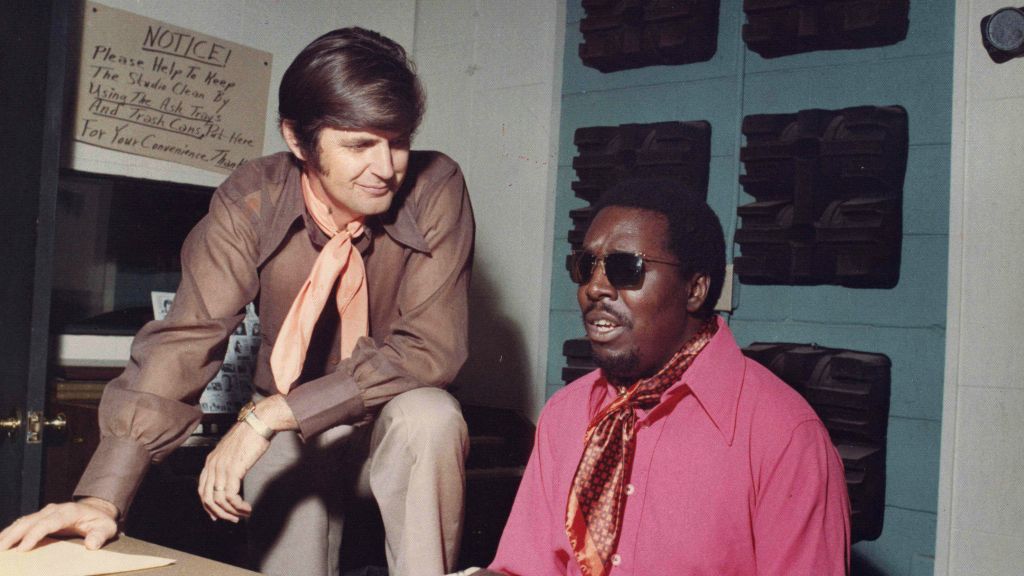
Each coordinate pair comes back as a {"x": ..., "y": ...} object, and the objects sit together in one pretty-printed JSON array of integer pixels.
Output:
[{"x": 695, "y": 233}]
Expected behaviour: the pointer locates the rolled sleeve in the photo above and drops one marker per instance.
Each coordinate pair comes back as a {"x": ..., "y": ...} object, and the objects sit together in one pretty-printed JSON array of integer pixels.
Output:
[
  {"x": 324, "y": 403},
  {"x": 114, "y": 471}
]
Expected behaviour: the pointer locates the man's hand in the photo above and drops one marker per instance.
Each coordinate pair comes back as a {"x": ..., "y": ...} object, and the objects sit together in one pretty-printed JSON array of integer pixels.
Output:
[
  {"x": 220, "y": 483},
  {"x": 91, "y": 518}
]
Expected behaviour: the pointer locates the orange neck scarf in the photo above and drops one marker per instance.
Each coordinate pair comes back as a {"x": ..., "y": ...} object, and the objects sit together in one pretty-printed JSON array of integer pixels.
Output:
[
  {"x": 337, "y": 258},
  {"x": 593, "y": 517}
]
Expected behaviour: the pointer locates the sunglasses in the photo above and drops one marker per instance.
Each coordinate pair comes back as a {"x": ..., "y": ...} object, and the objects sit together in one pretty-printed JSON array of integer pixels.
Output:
[{"x": 622, "y": 269}]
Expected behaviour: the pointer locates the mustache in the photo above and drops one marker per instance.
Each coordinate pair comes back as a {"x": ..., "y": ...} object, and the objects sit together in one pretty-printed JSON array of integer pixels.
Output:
[{"x": 602, "y": 306}]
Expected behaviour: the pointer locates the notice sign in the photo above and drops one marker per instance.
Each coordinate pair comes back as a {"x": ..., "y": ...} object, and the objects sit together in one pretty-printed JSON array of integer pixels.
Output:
[{"x": 152, "y": 89}]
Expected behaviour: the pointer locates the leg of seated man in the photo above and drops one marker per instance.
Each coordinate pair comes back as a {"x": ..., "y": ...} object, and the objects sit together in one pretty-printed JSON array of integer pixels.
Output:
[
  {"x": 416, "y": 472},
  {"x": 297, "y": 491}
]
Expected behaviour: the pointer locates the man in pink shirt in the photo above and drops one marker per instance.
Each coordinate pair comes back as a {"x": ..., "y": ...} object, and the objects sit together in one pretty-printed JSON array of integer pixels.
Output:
[{"x": 680, "y": 455}]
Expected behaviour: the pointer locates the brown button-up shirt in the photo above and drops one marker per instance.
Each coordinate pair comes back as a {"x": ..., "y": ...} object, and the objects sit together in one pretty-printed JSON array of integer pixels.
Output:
[{"x": 258, "y": 242}]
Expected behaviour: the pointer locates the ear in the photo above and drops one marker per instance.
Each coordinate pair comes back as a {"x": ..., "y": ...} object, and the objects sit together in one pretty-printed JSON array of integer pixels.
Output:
[
  {"x": 699, "y": 285},
  {"x": 292, "y": 140}
]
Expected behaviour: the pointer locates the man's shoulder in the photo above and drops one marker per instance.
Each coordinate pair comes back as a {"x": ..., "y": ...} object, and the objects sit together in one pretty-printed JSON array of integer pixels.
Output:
[
  {"x": 432, "y": 161},
  {"x": 573, "y": 396},
  {"x": 566, "y": 414},
  {"x": 257, "y": 174},
  {"x": 430, "y": 167},
  {"x": 433, "y": 198},
  {"x": 773, "y": 402}
]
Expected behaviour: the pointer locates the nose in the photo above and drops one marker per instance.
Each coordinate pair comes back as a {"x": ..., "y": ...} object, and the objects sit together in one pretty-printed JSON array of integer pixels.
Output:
[
  {"x": 383, "y": 162},
  {"x": 599, "y": 287}
]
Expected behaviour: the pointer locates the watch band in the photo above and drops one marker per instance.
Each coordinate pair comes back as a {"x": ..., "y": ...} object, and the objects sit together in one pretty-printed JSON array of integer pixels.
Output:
[{"x": 248, "y": 415}]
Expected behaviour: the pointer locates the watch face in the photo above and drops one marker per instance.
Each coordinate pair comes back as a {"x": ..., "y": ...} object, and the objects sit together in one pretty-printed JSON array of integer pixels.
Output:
[{"x": 245, "y": 410}]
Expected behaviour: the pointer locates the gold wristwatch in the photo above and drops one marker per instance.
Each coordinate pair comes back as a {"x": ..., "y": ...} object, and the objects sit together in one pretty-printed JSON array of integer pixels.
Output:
[{"x": 248, "y": 415}]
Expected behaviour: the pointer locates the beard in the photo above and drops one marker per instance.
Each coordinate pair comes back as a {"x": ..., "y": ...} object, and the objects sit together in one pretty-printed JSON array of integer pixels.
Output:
[{"x": 619, "y": 369}]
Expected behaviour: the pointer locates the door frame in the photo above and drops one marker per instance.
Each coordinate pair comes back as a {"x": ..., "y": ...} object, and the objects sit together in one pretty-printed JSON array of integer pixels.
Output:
[{"x": 34, "y": 73}]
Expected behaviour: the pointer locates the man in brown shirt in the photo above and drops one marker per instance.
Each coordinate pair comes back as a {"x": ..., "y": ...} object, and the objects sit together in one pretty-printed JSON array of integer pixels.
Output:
[{"x": 376, "y": 422}]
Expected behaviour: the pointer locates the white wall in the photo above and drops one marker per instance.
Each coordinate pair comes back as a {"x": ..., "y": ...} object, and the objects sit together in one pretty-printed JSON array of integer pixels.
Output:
[
  {"x": 981, "y": 499},
  {"x": 492, "y": 73},
  {"x": 491, "y": 69}
]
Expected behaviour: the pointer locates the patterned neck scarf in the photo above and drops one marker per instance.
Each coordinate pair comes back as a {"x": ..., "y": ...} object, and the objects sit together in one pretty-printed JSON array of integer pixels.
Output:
[
  {"x": 593, "y": 517},
  {"x": 337, "y": 258}
]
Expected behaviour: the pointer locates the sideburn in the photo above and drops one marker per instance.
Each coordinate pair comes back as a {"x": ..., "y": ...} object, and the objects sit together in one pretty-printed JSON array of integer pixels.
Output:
[{"x": 314, "y": 159}]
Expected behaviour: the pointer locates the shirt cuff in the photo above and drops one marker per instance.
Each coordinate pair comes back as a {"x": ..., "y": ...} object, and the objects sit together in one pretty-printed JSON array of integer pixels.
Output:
[
  {"x": 114, "y": 472},
  {"x": 325, "y": 403}
]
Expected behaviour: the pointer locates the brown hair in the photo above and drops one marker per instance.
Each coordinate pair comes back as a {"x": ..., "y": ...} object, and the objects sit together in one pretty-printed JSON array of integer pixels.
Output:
[{"x": 350, "y": 78}]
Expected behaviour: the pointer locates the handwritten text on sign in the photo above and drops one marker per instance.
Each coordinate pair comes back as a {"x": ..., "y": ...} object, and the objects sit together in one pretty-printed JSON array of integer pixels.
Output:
[{"x": 149, "y": 88}]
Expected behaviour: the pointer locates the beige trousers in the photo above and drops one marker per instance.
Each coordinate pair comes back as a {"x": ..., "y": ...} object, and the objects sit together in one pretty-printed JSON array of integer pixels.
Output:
[{"x": 410, "y": 460}]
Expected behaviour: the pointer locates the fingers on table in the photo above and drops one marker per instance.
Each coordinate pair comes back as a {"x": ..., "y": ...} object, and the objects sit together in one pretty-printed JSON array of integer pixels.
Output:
[
  {"x": 12, "y": 534},
  {"x": 27, "y": 531}
]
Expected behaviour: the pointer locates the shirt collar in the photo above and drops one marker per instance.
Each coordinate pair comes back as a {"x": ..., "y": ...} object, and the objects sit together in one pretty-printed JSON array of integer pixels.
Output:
[
  {"x": 399, "y": 222},
  {"x": 715, "y": 379}
]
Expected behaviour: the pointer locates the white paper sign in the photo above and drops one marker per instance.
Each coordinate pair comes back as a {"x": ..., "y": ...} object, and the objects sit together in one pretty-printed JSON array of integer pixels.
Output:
[{"x": 150, "y": 88}]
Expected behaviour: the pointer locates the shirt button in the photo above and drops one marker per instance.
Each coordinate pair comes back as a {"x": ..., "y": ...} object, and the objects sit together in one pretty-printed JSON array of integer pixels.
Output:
[
  {"x": 616, "y": 559},
  {"x": 630, "y": 489}
]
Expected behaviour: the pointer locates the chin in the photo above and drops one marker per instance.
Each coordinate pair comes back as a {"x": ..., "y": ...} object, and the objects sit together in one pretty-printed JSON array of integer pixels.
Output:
[
  {"x": 619, "y": 367},
  {"x": 376, "y": 207}
]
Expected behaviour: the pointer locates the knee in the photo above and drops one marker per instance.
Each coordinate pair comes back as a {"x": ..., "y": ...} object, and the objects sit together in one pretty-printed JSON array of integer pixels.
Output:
[{"x": 426, "y": 419}]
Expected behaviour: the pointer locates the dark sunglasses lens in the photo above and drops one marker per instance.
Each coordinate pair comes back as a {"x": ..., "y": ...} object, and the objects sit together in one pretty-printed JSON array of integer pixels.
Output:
[
  {"x": 582, "y": 267},
  {"x": 623, "y": 269}
]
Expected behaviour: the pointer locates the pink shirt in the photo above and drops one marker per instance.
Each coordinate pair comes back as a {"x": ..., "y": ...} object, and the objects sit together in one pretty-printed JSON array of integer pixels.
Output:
[{"x": 733, "y": 474}]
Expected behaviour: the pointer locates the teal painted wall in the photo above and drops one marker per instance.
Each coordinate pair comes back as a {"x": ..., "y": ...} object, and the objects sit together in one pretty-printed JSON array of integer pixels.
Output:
[{"x": 906, "y": 323}]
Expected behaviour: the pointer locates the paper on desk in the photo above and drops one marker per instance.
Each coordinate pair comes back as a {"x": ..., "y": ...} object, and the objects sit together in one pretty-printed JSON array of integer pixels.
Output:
[{"x": 60, "y": 558}]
